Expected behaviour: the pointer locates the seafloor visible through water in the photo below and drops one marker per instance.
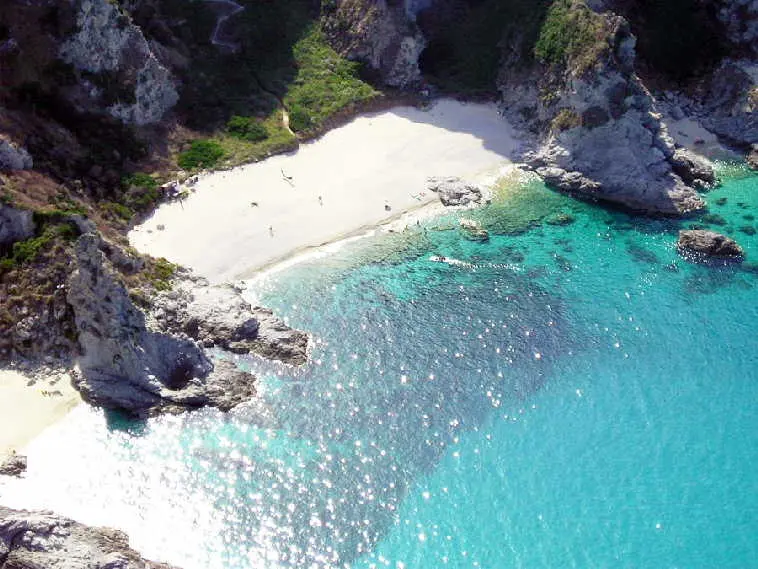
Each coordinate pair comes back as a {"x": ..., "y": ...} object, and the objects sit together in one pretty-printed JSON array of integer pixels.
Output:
[{"x": 571, "y": 393}]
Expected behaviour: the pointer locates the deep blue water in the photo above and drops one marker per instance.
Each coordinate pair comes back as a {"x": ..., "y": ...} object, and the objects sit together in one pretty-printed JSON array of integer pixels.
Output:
[{"x": 569, "y": 396}]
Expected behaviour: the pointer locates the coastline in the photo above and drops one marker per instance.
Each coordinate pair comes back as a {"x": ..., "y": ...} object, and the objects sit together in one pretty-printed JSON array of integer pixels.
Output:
[
  {"x": 30, "y": 403},
  {"x": 266, "y": 212}
]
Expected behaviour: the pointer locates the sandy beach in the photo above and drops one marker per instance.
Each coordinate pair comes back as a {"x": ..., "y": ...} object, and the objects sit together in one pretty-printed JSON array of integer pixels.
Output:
[
  {"x": 355, "y": 177},
  {"x": 30, "y": 405}
]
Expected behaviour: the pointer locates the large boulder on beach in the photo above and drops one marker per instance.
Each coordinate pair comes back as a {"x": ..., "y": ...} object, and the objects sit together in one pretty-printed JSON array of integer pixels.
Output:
[
  {"x": 703, "y": 245},
  {"x": 453, "y": 191},
  {"x": 43, "y": 540},
  {"x": 12, "y": 465},
  {"x": 752, "y": 157}
]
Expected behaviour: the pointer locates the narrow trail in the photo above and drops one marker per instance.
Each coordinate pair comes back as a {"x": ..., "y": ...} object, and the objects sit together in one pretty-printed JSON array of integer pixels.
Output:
[{"x": 236, "y": 9}]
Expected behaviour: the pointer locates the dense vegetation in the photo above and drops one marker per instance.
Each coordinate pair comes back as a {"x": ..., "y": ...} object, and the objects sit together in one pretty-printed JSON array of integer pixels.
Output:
[
  {"x": 571, "y": 31},
  {"x": 677, "y": 38},
  {"x": 467, "y": 45}
]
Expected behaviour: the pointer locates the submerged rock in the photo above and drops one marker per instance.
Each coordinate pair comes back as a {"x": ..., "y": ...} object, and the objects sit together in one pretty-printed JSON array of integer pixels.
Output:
[
  {"x": 473, "y": 231},
  {"x": 43, "y": 540},
  {"x": 453, "y": 191},
  {"x": 13, "y": 465},
  {"x": 699, "y": 245}
]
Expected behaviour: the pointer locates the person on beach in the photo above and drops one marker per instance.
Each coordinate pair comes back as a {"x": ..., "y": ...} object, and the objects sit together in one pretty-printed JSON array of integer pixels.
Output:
[
  {"x": 320, "y": 200},
  {"x": 271, "y": 230}
]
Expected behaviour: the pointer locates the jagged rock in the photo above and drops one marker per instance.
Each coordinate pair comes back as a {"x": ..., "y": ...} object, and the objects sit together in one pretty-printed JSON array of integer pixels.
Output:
[
  {"x": 730, "y": 102},
  {"x": 693, "y": 169},
  {"x": 473, "y": 231},
  {"x": 43, "y": 540},
  {"x": 752, "y": 157},
  {"x": 219, "y": 316},
  {"x": 15, "y": 225},
  {"x": 106, "y": 42},
  {"x": 453, "y": 191},
  {"x": 600, "y": 135},
  {"x": 128, "y": 365},
  {"x": 14, "y": 157},
  {"x": 702, "y": 245},
  {"x": 379, "y": 33},
  {"x": 13, "y": 465}
]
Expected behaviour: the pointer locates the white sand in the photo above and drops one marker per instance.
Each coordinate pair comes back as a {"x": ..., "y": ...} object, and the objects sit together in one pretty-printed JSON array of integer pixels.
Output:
[
  {"x": 690, "y": 134},
  {"x": 377, "y": 159},
  {"x": 28, "y": 406}
]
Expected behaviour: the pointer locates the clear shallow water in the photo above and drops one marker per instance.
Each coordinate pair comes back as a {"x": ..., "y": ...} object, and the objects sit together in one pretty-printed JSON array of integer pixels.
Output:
[{"x": 572, "y": 396}]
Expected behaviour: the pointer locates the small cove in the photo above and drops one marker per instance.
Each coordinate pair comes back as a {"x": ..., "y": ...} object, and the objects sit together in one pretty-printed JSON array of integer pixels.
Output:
[{"x": 577, "y": 395}]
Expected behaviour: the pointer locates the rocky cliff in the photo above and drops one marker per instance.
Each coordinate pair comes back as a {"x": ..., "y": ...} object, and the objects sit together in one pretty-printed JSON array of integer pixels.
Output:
[
  {"x": 150, "y": 361},
  {"x": 43, "y": 540}
]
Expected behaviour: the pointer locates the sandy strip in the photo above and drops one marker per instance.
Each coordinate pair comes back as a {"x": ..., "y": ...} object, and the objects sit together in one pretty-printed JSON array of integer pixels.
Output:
[
  {"x": 335, "y": 187},
  {"x": 28, "y": 406}
]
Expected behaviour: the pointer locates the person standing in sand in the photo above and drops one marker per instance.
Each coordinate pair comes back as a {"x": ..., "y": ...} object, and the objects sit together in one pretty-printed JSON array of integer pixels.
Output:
[{"x": 271, "y": 230}]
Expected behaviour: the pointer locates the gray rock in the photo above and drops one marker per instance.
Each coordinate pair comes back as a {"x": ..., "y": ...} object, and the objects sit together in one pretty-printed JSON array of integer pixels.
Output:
[
  {"x": 380, "y": 34},
  {"x": 473, "y": 231},
  {"x": 453, "y": 191},
  {"x": 693, "y": 169},
  {"x": 600, "y": 137},
  {"x": 106, "y": 41},
  {"x": 701, "y": 245},
  {"x": 14, "y": 157},
  {"x": 13, "y": 465},
  {"x": 752, "y": 157},
  {"x": 730, "y": 102},
  {"x": 43, "y": 540},
  {"x": 15, "y": 224},
  {"x": 128, "y": 365},
  {"x": 740, "y": 19},
  {"x": 219, "y": 316}
]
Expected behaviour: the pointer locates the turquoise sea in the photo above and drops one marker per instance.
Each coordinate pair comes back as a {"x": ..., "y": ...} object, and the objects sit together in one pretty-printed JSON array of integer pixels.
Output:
[{"x": 571, "y": 394}]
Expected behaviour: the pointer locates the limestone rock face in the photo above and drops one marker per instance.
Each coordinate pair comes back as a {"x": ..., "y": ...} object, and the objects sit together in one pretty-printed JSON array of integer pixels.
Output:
[
  {"x": 601, "y": 137},
  {"x": 15, "y": 225},
  {"x": 106, "y": 43},
  {"x": 453, "y": 191},
  {"x": 219, "y": 316},
  {"x": 752, "y": 157},
  {"x": 14, "y": 157},
  {"x": 378, "y": 33},
  {"x": 731, "y": 102},
  {"x": 129, "y": 366},
  {"x": 699, "y": 245},
  {"x": 146, "y": 363},
  {"x": 37, "y": 540}
]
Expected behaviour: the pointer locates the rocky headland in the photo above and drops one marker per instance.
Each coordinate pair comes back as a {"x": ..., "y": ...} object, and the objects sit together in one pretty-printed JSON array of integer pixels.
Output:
[
  {"x": 45, "y": 540},
  {"x": 103, "y": 102}
]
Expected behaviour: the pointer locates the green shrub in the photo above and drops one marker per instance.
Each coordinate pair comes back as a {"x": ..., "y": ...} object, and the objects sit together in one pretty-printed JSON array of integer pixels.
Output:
[
  {"x": 570, "y": 30},
  {"x": 566, "y": 119},
  {"x": 246, "y": 128},
  {"x": 139, "y": 180},
  {"x": 160, "y": 273},
  {"x": 119, "y": 210},
  {"x": 201, "y": 154},
  {"x": 300, "y": 119}
]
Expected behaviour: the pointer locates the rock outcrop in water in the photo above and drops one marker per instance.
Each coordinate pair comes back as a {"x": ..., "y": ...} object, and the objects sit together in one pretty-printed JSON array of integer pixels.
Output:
[
  {"x": 453, "y": 191},
  {"x": 147, "y": 363},
  {"x": 702, "y": 245},
  {"x": 43, "y": 540}
]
